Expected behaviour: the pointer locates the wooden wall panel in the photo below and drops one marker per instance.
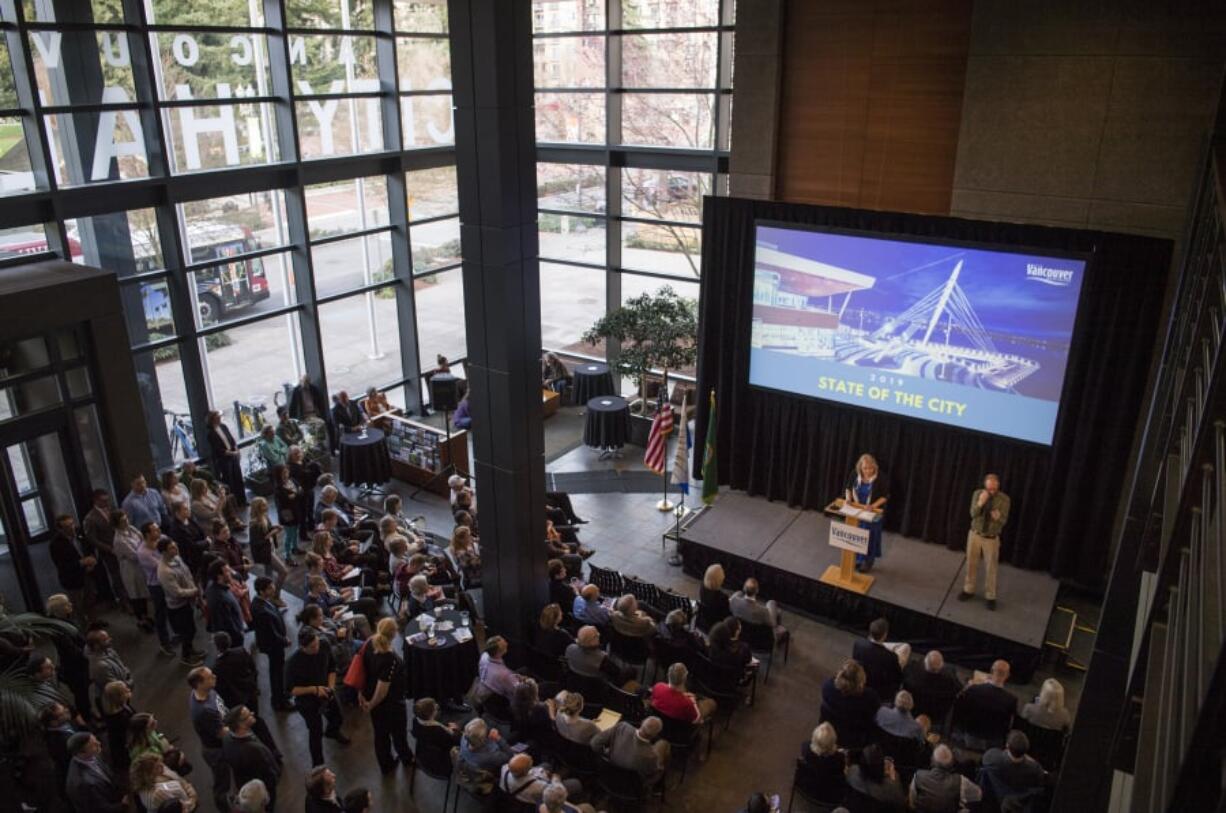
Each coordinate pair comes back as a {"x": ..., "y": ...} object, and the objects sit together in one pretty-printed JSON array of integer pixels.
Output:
[{"x": 872, "y": 102}]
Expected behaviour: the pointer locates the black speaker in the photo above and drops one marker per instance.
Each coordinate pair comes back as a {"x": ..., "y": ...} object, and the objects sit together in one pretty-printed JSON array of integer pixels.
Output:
[{"x": 444, "y": 392}]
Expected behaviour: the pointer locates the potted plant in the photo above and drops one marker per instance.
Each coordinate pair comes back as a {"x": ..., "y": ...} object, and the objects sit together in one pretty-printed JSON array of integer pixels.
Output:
[{"x": 653, "y": 332}]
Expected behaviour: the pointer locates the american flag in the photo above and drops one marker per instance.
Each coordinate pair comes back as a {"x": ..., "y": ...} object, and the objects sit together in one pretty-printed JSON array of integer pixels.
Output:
[{"x": 657, "y": 441}]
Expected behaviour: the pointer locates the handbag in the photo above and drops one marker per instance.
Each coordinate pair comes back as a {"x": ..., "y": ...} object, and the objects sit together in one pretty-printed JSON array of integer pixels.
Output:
[{"x": 355, "y": 675}]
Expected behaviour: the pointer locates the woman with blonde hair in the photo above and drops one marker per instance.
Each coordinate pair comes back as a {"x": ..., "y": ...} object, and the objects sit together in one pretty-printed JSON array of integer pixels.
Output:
[
  {"x": 868, "y": 487},
  {"x": 383, "y": 697},
  {"x": 712, "y": 600},
  {"x": 262, "y": 539},
  {"x": 570, "y": 722},
  {"x": 850, "y": 705},
  {"x": 823, "y": 763},
  {"x": 206, "y": 506},
  {"x": 465, "y": 556},
  {"x": 155, "y": 784},
  {"x": 1048, "y": 709}
]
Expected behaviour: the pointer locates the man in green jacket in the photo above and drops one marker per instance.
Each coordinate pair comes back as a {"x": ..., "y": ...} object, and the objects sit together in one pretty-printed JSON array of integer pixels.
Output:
[{"x": 989, "y": 513}]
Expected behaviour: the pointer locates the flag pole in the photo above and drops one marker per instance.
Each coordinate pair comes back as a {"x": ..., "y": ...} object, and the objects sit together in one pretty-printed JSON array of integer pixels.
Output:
[{"x": 664, "y": 504}]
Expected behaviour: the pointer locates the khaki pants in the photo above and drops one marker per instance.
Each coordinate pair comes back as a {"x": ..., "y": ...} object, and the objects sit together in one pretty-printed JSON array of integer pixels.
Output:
[{"x": 989, "y": 549}]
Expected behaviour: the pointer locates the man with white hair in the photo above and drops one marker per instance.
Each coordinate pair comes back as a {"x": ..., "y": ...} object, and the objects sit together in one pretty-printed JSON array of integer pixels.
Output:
[
  {"x": 482, "y": 748},
  {"x": 629, "y": 620},
  {"x": 898, "y": 720},
  {"x": 553, "y": 800},
  {"x": 941, "y": 789},
  {"x": 932, "y": 684},
  {"x": 639, "y": 750},
  {"x": 252, "y": 797}
]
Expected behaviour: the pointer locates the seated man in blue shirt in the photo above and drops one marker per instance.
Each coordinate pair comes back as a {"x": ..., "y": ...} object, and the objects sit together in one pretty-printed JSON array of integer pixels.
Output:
[
  {"x": 483, "y": 749},
  {"x": 588, "y": 609},
  {"x": 898, "y": 720}
]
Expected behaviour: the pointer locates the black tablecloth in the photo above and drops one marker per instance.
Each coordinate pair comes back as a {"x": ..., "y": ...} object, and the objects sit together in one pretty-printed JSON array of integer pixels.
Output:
[
  {"x": 592, "y": 378},
  {"x": 442, "y": 671},
  {"x": 607, "y": 422},
  {"x": 364, "y": 460}
]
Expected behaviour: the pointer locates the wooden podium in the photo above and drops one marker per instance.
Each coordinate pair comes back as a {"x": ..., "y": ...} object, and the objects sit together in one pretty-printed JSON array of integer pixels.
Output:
[{"x": 844, "y": 574}]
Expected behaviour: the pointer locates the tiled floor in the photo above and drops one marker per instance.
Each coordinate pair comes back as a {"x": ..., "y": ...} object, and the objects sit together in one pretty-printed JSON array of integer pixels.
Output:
[{"x": 757, "y": 753}]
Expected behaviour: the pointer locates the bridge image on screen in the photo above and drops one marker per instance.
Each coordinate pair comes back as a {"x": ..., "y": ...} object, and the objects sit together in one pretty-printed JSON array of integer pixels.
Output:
[{"x": 935, "y": 331}]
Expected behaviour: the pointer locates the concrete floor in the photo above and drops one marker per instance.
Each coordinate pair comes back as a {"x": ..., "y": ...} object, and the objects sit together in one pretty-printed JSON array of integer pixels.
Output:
[{"x": 757, "y": 753}]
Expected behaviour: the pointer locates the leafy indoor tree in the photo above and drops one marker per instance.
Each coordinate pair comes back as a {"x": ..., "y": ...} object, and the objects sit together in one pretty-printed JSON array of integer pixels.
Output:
[
  {"x": 654, "y": 331},
  {"x": 21, "y": 697}
]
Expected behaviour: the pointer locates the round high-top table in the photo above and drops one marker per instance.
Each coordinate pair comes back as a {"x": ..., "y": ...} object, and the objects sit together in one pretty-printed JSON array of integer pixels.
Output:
[
  {"x": 365, "y": 461},
  {"x": 445, "y": 670},
  {"x": 606, "y": 424},
  {"x": 592, "y": 378}
]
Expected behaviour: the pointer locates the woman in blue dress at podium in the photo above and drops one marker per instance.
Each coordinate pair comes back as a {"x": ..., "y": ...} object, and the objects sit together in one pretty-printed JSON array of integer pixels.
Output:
[{"x": 867, "y": 486}]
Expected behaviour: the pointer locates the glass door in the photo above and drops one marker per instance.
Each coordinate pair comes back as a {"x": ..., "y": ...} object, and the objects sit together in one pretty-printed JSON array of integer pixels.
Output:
[{"x": 42, "y": 476}]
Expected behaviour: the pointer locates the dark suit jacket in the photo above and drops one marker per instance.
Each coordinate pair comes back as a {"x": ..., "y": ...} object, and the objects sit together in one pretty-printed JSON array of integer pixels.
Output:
[
  {"x": 94, "y": 791},
  {"x": 346, "y": 416},
  {"x": 854, "y": 717},
  {"x": 250, "y": 759},
  {"x": 218, "y": 447},
  {"x": 991, "y": 708},
  {"x": 67, "y": 559},
  {"x": 317, "y": 395},
  {"x": 322, "y": 806},
  {"x": 237, "y": 678},
  {"x": 439, "y": 737},
  {"x": 713, "y": 607},
  {"x": 934, "y": 692},
  {"x": 268, "y": 624},
  {"x": 881, "y": 667}
]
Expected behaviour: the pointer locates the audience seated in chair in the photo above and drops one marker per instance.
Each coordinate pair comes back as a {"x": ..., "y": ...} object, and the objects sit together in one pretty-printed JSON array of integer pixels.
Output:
[
  {"x": 585, "y": 657},
  {"x": 570, "y": 722},
  {"x": 548, "y": 636},
  {"x": 1011, "y": 771},
  {"x": 728, "y": 651},
  {"x": 988, "y": 708},
  {"x": 554, "y": 800},
  {"x": 1048, "y": 709},
  {"x": 874, "y": 778},
  {"x": 495, "y": 676},
  {"x": 897, "y": 719},
  {"x": 882, "y": 671},
  {"x": 533, "y": 717},
  {"x": 429, "y": 732},
  {"x": 525, "y": 782},
  {"x": 850, "y": 705},
  {"x": 933, "y": 686},
  {"x": 588, "y": 608},
  {"x": 941, "y": 789},
  {"x": 713, "y": 601},
  {"x": 744, "y": 604},
  {"x": 561, "y": 591},
  {"x": 635, "y": 749},
  {"x": 824, "y": 765},
  {"x": 483, "y": 749},
  {"x": 630, "y": 621},
  {"x": 675, "y": 631}
]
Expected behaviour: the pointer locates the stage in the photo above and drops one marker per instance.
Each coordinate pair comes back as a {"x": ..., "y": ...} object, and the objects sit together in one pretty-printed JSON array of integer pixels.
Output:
[{"x": 916, "y": 588}]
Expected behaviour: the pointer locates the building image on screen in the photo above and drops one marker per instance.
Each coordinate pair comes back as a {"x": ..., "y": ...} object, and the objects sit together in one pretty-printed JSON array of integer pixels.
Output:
[{"x": 970, "y": 337}]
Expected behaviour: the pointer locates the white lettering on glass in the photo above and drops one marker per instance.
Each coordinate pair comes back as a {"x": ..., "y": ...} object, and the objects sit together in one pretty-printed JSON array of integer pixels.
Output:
[
  {"x": 244, "y": 50},
  {"x": 193, "y": 127},
  {"x": 185, "y": 49},
  {"x": 114, "y": 50},
  {"x": 105, "y": 145}
]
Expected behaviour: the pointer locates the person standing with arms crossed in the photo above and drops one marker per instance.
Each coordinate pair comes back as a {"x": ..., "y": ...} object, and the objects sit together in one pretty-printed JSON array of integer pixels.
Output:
[{"x": 989, "y": 513}]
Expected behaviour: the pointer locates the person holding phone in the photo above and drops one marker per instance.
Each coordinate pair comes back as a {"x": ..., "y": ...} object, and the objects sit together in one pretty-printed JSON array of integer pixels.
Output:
[{"x": 310, "y": 676}]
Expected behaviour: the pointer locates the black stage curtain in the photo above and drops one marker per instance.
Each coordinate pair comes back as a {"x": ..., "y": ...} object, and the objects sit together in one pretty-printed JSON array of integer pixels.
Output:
[{"x": 801, "y": 450}]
